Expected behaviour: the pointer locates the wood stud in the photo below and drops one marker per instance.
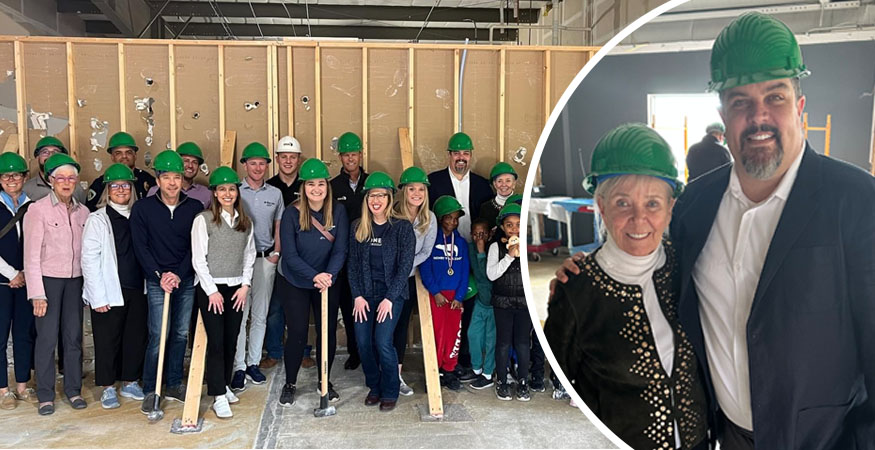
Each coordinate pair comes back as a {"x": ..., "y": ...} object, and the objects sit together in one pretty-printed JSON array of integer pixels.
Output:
[{"x": 71, "y": 101}]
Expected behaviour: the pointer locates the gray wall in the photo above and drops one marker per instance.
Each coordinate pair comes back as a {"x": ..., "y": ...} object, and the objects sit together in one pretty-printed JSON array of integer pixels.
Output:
[{"x": 841, "y": 84}]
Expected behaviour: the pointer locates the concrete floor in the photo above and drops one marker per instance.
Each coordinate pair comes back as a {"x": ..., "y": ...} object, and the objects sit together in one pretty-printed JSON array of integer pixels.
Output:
[{"x": 540, "y": 274}]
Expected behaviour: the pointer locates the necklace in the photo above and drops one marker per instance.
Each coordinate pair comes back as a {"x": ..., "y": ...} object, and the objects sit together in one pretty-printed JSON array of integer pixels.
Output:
[{"x": 448, "y": 252}]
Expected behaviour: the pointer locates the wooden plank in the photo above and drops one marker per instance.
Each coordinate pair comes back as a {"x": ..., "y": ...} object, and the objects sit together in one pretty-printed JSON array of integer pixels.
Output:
[
  {"x": 19, "y": 101},
  {"x": 365, "y": 131},
  {"x": 228, "y": 144},
  {"x": 71, "y": 101},
  {"x": 317, "y": 68},
  {"x": 548, "y": 80},
  {"x": 501, "y": 104},
  {"x": 456, "y": 91},
  {"x": 406, "y": 147},
  {"x": 429, "y": 351},
  {"x": 123, "y": 123},
  {"x": 290, "y": 90},
  {"x": 171, "y": 82},
  {"x": 221, "y": 62},
  {"x": 11, "y": 143},
  {"x": 195, "y": 375},
  {"x": 273, "y": 110},
  {"x": 411, "y": 97}
]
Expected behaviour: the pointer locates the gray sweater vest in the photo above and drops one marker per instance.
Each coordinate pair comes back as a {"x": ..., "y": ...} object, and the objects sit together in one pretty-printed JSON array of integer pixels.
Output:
[{"x": 225, "y": 248}]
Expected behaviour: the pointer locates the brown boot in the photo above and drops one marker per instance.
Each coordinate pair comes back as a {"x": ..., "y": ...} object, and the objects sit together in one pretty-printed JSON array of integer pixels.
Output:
[
  {"x": 308, "y": 362},
  {"x": 268, "y": 362}
]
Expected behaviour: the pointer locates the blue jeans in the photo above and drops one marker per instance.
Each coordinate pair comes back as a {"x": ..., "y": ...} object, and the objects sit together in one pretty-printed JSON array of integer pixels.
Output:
[
  {"x": 276, "y": 325},
  {"x": 377, "y": 350},
  {"x": 181, "y": 302}
]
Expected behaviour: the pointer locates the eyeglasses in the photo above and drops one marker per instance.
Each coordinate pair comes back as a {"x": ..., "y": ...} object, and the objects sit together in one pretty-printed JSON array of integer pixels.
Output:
[
  {"x": 70, "y": 179},
  {"x": 122, "y": 186},
  {"x": 11, "y": 176},
  {"x": 48, "y": 152},
  {"x": 380, "y": 195}
]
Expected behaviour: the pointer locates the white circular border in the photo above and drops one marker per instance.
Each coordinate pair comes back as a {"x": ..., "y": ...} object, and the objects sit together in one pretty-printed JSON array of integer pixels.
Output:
[{"x": 530, "y": 181}]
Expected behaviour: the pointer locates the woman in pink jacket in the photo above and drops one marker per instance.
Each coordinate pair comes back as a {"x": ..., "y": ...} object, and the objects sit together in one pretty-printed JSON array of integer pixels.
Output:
[{"x": 52, "y": 251}]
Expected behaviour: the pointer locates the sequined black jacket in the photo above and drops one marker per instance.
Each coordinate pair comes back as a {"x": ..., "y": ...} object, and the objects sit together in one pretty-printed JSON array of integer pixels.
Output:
[{"x": 600, "y": 334}]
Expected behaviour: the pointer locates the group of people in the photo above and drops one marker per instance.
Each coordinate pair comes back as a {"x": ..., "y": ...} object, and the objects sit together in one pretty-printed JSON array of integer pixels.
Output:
[
  {"x": 752, "y": 322},
  {"x": 252, "y": 257}
]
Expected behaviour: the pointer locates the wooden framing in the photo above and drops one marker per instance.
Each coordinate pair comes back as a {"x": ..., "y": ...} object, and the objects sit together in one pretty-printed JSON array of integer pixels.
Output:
[
  {"x": 19, "y": 100},
  {"x": 171, "y": 82},
  {"x": 221, "y": 88},
  {"x": 365, "y": 130},
  {"x": 548, "y": 80},
  {"x": 191, "y": 406},
  {"x": 411, "y": 94},
  {"x": 71, "y": 101},
  {"x": 501, "y": 104},
  {"x": 290, "y": 90},
  {"x": 122, "y": 88},
  {"x": 317, "y": 66},
  {"x": 456, "y": 89}
]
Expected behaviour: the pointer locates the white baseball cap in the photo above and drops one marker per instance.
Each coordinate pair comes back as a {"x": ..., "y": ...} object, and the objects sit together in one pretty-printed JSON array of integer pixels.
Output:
[{"x": 288, "y": 144}]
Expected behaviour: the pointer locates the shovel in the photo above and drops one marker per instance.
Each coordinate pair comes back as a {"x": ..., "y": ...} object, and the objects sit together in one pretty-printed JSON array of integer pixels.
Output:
[
  {"x": 324, "y": 409},
  {"x": 157, "y": 413}
]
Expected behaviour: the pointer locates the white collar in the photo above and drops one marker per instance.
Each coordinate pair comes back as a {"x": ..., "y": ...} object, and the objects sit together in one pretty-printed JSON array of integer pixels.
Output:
[{"x": 626, "y": 268}]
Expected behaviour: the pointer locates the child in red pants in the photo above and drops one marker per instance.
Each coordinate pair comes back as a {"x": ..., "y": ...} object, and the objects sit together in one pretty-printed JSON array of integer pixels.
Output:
[{"x": 445, "y": 276}]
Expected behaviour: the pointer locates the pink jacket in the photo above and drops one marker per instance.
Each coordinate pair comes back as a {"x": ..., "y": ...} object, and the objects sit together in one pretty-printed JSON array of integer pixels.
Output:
[{"x": 52, "y": 242}]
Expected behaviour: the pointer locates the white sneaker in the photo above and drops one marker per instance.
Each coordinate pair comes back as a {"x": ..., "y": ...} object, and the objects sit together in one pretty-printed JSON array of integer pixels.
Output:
[
  {"x": 404, "y": 389},
  {"x": 232, "y": 399},
  {"x": 222, "y": 408}
]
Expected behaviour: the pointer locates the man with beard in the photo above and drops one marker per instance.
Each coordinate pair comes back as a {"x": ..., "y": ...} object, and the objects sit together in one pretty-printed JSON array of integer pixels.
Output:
[
  {"x": 122, "y": 149},
  {"x": 709, "y": 153},
  {"x": 777, "y": 262},
  {"x": 457, "y": 180},
  {"x": 38, "y": 187},
  {"x": 192, "y": 158}
]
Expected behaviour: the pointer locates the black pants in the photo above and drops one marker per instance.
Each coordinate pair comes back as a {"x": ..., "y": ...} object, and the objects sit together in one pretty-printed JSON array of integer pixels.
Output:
[
  {"x": 120, "y": 337},
  {"x": 732, "y": 436},
  {"x": 512, "y": 327},
  {"x": 538, "y": 358},
  {"x": 464, "y": 351},
  {"x": 400, "y": 338},
  {"x": 346, "y": 304},
  {"x": 297, "y": 304},
  {"x": 222, "y": 330},
  {"x": 64, "y": 316},
  {"x": 16, "y": 313}
]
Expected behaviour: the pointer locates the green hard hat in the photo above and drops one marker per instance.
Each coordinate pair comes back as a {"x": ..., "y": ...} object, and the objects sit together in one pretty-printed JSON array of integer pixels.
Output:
[
  {"x": 223, "y": 175},
  {"x": 11, "y": 162},
  {"x": 349, "y": 142},
  {"x": 118, "y": 172},
  {"x": 255, "y": 150},
  {"x": 190, "y": 149},
  {"x": 47, "y": 141},
  {"x": 633, "y": 149},
  {"x": 515, "y": 198},
  {"x": 168, "y": 161},
  {"x": 754, "y": 48},
  {"x": 313, "y": 169},
  {"x": 509, "y": 209},
  {"x": 379, "y": 180},
  {"x": 502, "y": 168},
  {"x": 58, "y": 160},
  {"x": 716, "y": 126},
  {"x": 413, "y": 174},
  {"x": 460, "y": 142},
  {"x": 121, "y": 139},
  {"x": 446, "y": 204},
  {"x": 472, "y": 288}
]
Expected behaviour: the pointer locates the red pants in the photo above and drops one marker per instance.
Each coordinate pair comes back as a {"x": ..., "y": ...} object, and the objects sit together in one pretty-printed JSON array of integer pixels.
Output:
[{"x": 447, "y": 331}]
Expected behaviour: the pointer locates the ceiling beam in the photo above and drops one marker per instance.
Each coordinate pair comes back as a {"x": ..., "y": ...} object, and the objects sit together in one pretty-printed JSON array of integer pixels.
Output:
[{"x": 360, "y": 32}]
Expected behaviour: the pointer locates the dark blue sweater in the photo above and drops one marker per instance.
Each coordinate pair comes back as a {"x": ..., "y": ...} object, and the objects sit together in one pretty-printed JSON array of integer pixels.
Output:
[
  {"x": 308, "y": 253},
  {"x": 434, "y": 269},
  {"x": 162, "y": 240},
  {"x": 398, "y": 245}
]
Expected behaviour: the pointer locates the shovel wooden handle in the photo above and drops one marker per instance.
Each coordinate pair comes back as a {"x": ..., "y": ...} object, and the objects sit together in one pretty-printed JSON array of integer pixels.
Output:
[
  {"x": 164, "y": 318},
  {"x": 324, "y": 344}
]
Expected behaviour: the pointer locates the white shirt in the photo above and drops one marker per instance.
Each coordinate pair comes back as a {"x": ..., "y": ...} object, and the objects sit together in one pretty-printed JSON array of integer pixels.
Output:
[
  {"x": 495, "y": 267},
  {"x": 462, "y": 188},
  {"x": 199, "y": 246},
  {"x": 726, "y": 276}
]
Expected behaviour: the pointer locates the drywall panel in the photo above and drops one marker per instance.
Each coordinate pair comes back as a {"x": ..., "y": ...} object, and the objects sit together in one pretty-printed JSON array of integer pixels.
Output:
[
  {"x": 197, "y": 100},
  {"x": 480, "y": 107},
  {"x": 433, "y": 107},
  {"x": 282, "y": 83},
  {"x": 524, "y": 109},
  {"x": 8, "y": 125},
  {"x": 564, "y": 67},
  {"x": 304, "y": 98},
  {"x": 97, "y": 88},
  {"x": 147, "y": 98},
  {"x": 246, "y": 84},
  {"x": 388, "y": 94},
  {"x": 45, "y": 81},
  {"x": 341, "y": 98}
]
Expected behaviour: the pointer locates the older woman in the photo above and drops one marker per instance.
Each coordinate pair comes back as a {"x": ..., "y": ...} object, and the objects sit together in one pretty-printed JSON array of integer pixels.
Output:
[
  {"x": 412, "y": 204},
  {"x": 15, "y": 312},
  {"x": 614, "y": 328},
  {"x": 53, "y": 229},
  {"x": 115, "y": 289}
]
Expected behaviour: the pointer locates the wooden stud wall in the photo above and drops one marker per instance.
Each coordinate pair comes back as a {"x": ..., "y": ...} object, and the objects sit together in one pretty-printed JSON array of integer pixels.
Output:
[{"x": 200, "y": 88}]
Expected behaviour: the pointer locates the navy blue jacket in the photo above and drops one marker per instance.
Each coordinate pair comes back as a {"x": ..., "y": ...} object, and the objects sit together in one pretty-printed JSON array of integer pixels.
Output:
[
  {"x": 434, "y": 270},
  {"x": 811, "y": 331},
  {"x": 162, "y": 240},
  {"x": 480, "y": 191},
  {"x": 12, "y": 245},
  {"x": 399, "y": 245},
  {"x": 308, "y": 253}
]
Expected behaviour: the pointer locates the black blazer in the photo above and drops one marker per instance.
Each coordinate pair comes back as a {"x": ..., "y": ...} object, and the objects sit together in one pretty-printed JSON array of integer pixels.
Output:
[
  {"x": 441, "y": 184},
  {"x": 811, "y": 331}
]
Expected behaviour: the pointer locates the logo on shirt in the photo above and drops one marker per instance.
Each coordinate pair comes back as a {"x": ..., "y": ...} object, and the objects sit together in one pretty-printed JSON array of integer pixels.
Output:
[
  {"x": 375, "y": 242},
  {"x": 446, "y": 249}
]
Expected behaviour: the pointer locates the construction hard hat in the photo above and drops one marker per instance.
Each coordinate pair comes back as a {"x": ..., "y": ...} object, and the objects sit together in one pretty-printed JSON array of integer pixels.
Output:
[
  {"x": 313, "y": 169},
  {"x": 58, "y": 160},
  {"x": 379, "y": 180},
  {"x": 121, "y": 139},
  {"x": 288, "y": 144},
  {"x": 716, "y": 126},
  {"x": 460, "y": 142},
  {"x": 472, "y": 288},
  {"x": 223, "y": 175},
  {"x": 118, "y": 172},
  {"x": 255, "y": 150},
  {"x": 754, "y": 48},
  {"x": 515, "y": 198},
  {"x": 446, "y": 204},
  {"x": 11, "y": 162},
  {"x": 413, "y": 174},
  {"x": 190, "y": 149},
  {"x": 46, "y": 142},
  {"x": 349, "y": 142},
  {"x": 168, "y": 161},
  {"x": 502, "y": 168},
  {"x": 509, "y": 209},
  {"x": 633, "y": 149}
]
